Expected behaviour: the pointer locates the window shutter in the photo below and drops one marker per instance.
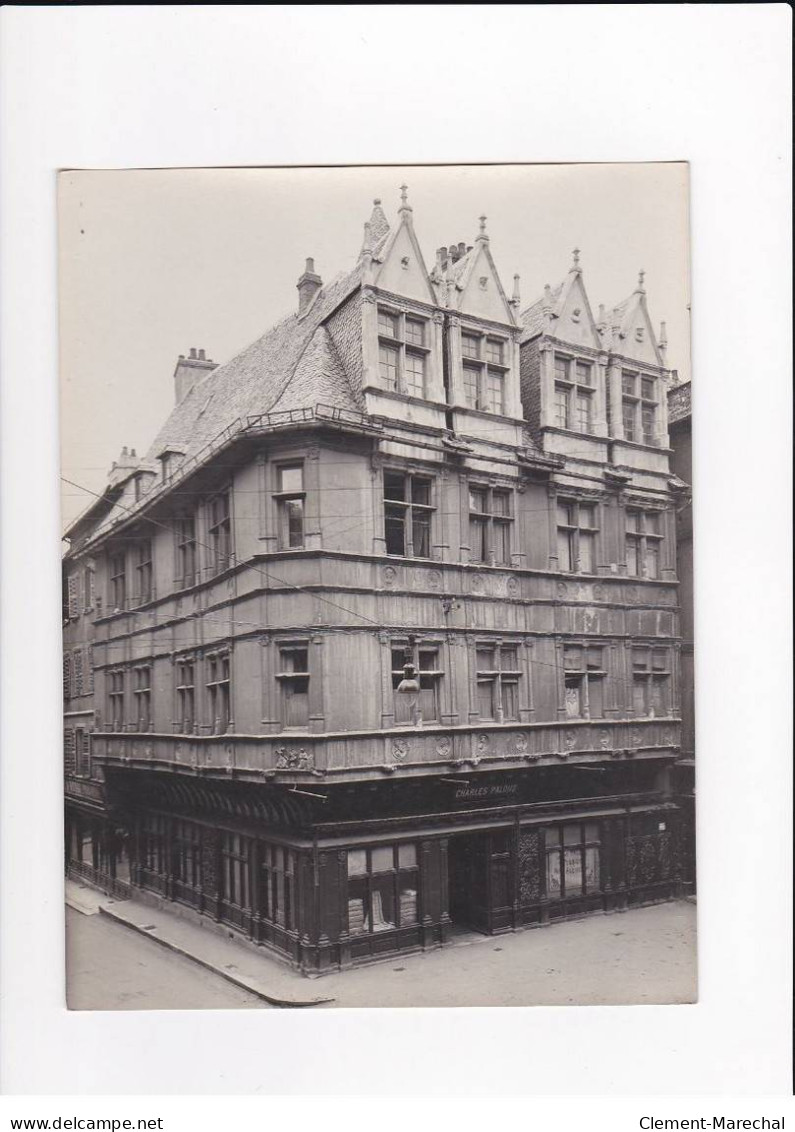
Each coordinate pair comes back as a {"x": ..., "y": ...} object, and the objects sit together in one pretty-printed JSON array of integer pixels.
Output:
[
  {"x": 78, "y": 662},
  {"x": 73, "y": 598},
  {"x": 90, "y": 669},
  {"x": 67, "y": 676},
  {"x": 91, "y": 596},
  {"x": 69, "y": 751}
]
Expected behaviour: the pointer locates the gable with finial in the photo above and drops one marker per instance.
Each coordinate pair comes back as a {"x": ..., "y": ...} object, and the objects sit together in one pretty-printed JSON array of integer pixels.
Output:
[
  {"x": 476, "y": 287},
  {"x": 398, "y": 265},
  {"x": 632, "y": 331},
  {"x": 573, "y": 319}
]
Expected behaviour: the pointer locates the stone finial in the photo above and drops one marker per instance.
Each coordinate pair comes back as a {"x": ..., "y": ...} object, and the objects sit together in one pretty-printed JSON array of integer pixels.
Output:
[
  {"x": 663, "y": 342},
  {"x": 482, "y": 233},
  {"x": 404, "y": 198},
  {"x": 641, "y": 277},
  {"x": 515, "y": 298},
  {"x": 575, "y": 260}
]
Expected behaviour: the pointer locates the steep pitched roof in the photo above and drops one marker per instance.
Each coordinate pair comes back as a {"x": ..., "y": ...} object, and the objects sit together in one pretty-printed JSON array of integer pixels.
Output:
[{"x": 532, "y": 319}]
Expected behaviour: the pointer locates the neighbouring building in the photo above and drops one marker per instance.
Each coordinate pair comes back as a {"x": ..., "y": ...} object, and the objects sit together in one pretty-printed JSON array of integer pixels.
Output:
[
  {"x": 680, "y": 427},
  {"x": 380, "y": 640}
]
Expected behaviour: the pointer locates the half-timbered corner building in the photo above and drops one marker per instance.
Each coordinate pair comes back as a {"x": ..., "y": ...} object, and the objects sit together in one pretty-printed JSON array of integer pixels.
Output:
[{"x": 379, "y": 640}]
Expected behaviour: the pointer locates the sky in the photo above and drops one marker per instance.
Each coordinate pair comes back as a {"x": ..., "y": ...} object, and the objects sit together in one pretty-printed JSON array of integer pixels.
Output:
[{"x": 154, "y": 262}]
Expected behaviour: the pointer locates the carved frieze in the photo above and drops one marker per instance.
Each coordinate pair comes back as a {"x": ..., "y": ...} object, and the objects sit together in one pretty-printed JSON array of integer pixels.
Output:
[{"x": 293, "y": 758}]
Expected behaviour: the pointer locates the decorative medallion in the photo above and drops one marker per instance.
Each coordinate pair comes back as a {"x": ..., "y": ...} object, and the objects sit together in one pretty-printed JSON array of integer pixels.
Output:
[
  {"x": 562, "y": 589},
  {"x": 605, "y": 739},
  {"x": 389, "y": 574},
  {"x": 478, "y": 583},
  {"x": 400, "y": 749},
  {"x": 434, "y": 579},
  {"x": 636, "y": 736},
  {"x": 569, "y": 740},
  {"x": 517, "y": 744},
  {"x": 513, "y": 586},
  {"x": 443, "y": 747},
  {"x": 483, "y": 744}
]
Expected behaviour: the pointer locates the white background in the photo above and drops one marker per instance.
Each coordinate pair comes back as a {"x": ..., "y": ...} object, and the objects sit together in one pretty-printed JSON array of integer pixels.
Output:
[{"x": 194, "y": 86}]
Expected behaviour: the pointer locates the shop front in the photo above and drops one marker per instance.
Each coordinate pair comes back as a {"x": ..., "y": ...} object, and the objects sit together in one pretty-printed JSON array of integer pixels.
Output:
[{"x": 327, "y": 887}]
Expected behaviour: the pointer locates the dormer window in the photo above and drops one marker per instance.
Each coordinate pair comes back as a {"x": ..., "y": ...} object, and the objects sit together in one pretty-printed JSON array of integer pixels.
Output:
[
  {"x": 639, "y": 407},
  {"x": 573, "y": 394},
  {"x": 484, "y": 371},
  {"x": 402, "y": 352}
]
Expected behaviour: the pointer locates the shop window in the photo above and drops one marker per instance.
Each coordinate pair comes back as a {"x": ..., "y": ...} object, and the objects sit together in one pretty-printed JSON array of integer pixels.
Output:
[
  {"x": 187, "y": 862},
  {"x": 584, "y": 676},
  {"x": 186, "y": 552},
  {"x": 484, "y": 371},
  {"x": 117, "y": 573},
  {"x": 574, "y": 394},
  {"x": 577, "y": 530},
  {"x": 643, "y": 543},
  {"x": 498, "y": 675},
  {"x": 220, "y": 533},
  {"x": 490, "y": 523},
  {"x": 154, "y": 844},
  {"x": 235, "y": 871},
  {"x": 116, "y": 679},
  {"x": 186, "y": 695},
  {"x": 572, "y": 865},
  {"x": 426, "y": 705},
  {"x": 651, "y": 680},
  {"x": 402, "y": 352},
  {"x": 142, "y": 696},
  {"x": 290, "y": 503},
  {"x": 277, "y": 902},
  {"x": 219, "y": 689},
  {"x": 407, "y": 515},
  {"x": 293, "y": 679},
  {"x": 383, "y": 886}
]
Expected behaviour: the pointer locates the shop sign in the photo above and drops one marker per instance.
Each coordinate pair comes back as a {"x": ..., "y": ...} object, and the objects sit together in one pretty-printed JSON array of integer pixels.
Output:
[{"x": 495, "y": 791}]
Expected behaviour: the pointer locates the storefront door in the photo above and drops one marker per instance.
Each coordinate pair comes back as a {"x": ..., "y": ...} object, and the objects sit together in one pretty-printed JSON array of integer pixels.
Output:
[{"x": 480, "y": 889}]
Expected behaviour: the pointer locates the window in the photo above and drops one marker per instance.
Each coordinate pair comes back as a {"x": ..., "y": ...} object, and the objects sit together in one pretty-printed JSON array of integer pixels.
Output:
[
  {"x": 220, "y": 531},
  {"x": 490, "y": 522},
  {"x": 407, "y": 515},
  {"x": 498, "y": 675},
  {"x": 186, "y": 695},
  {"x": 639, "y": 407},
  {"x": 402, "y": 352},
  {"x": 118, "y": 580},
  {"x": 583, "y": 678},
  {"x": 572, "y": 853},
  {"x": 484, "y": 371},
  {"x": 573, "y": 406},
  {"x": 643, "y": 543},
  {"x": 77, "y": 664},
  {"x": 88, "y": 589},
  {"x": 69, "y": 751},
  {"x": 383, "y": 888},
  {"x": 218, "y": 692},
  {"x": 577, "y": 528},
  {"x": 290, "y": 499},
  {"x": 426, "y": 706},
  {"x": 651, "y": 677},
  {"x": 116, "y": 699},
  {"x": 142, "y": 696},
  {"x": 143, "y": 571},
  {"x": 293, "y": 677},
  {"x": 186, "y": 552},
  {"x": 277, "y": 900}
]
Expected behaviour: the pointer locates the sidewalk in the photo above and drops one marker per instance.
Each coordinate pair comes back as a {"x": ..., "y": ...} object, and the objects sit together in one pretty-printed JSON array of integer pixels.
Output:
[{"x": 646, "y": 956}]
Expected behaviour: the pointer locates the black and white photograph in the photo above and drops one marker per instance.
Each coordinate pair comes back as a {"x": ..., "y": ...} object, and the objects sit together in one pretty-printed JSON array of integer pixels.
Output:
[{"x": 377, "y": 586}]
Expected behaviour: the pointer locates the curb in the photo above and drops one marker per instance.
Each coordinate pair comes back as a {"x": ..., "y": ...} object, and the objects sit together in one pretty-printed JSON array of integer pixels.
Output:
[{"x": 238, "y": 980}]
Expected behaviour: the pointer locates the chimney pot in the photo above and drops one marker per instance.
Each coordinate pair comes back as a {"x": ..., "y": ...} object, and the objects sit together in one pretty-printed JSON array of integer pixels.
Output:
[
  {"x": 124, "y": 450},
  {"x": 201, "y": 355},
  {"x": 462, "y": 250},
  {"x": 308, "y": 285},
  {"x": 193, "y": 351}
]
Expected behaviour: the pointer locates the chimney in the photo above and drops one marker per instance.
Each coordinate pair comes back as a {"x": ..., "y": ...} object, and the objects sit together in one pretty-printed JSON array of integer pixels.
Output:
[
  {"x": 190, "y": 370},
  {"x": 441, "y": 258},
  {"x": 308, "y": 286}
]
